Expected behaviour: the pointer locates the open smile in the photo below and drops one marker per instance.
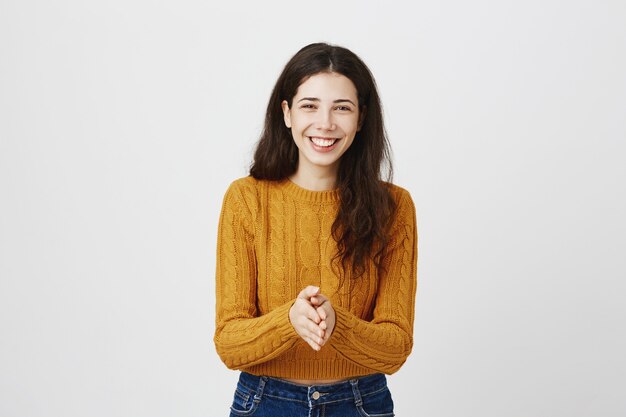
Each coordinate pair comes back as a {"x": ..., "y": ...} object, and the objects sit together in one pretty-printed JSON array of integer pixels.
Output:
[{"x": 323, "y": 144}]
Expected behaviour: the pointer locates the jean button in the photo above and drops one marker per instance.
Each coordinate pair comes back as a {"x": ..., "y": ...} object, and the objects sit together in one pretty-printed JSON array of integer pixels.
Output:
[{"x": 315, "y": 395}]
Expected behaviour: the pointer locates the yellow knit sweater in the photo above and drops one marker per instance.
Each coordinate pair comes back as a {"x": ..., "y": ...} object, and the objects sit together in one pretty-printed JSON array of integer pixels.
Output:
[{"x": 274, "y": 239}]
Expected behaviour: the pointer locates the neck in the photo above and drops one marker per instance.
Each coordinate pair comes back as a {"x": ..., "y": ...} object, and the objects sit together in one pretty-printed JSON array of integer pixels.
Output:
[{"x": 315, "y": 180}]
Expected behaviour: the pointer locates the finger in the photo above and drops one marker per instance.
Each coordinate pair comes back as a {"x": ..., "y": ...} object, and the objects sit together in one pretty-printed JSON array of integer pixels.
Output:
[
  {"x": 314, "y": 341},
  {"x": 319, "y": 340},
  {"x": 309, "y": 292},
  {"x": 323, "y": 325},
  {"x": 310, "y": 333},
  {"x": 302, "y": 309},
  {"x": 328, "y": 333},
  {"x": 326, "y": 336},
  {"x": 322, "y": 313},
  {"x": 313, "y": 315},
  {"x": 318, "y": 300},
  {"x": 314, "y": 330},
  {"x": 313, "y": 345}
]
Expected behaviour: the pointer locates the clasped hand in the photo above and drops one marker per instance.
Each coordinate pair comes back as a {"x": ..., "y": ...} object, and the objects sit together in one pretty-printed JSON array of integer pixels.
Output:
[{"x": 313, "y": 317}]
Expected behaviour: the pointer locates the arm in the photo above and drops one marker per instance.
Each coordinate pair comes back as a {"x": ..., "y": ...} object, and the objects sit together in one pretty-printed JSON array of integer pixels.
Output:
[
  {"x": 242, "y": 338},
  {"x": 384, "y": 343}
]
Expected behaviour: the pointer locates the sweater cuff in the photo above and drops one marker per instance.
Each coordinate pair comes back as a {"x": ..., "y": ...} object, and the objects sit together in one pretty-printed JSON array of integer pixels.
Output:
[
  {"x": 344, "y": 323},
  {"x": 284, "y": 327}
]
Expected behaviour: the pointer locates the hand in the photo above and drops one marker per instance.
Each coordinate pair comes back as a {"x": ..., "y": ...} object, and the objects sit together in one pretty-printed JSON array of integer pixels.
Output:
[
  {"x": 306, "y": 319},
  {"x": 327, "y": 313}
]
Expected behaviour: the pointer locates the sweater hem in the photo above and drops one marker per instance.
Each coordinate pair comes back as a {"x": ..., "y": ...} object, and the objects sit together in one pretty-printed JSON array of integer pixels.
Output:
[{"x": 309, "y": 369}]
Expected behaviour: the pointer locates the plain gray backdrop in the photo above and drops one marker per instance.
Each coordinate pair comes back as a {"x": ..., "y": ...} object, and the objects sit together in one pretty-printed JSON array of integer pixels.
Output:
[{"x": 122, "y": 123}]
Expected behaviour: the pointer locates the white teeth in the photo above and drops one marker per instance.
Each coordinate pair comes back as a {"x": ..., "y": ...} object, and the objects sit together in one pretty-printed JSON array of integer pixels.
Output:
[{"x": 323, "y": 142}]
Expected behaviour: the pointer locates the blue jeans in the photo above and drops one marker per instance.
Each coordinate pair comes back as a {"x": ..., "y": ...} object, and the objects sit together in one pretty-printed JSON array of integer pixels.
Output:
[{"x": 263, "y": 396}]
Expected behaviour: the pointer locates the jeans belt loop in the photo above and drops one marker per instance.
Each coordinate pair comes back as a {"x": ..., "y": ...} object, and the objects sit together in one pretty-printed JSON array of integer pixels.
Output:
[
  {"x": 259, "y": 393},
  {"x": 357, "y": 394}
]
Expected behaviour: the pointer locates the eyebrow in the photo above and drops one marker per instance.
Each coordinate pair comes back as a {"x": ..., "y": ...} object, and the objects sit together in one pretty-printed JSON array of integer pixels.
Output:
[{"x": 341, "y": 100}]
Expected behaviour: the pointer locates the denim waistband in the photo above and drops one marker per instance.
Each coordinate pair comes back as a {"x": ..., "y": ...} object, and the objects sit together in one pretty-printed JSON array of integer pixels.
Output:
[{"x": 352, "y": 389}]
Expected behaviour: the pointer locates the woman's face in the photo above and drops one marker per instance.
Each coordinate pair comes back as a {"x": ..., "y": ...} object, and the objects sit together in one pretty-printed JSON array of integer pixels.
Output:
[{"x": 324, "y": 118}]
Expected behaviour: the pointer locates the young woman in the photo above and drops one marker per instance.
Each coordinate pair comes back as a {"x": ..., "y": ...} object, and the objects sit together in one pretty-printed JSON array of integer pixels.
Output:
[{"x": 317, "y": 255}]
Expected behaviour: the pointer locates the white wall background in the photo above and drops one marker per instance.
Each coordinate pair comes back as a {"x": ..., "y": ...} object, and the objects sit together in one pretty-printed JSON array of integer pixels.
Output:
[{"x": 123, "y": 122}]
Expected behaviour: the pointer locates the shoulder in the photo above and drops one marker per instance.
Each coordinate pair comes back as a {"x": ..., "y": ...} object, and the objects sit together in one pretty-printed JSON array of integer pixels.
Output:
[
  {"x": 246, "y": 187},
  {"x": 242, "y": 195},
  {"x": 405, "y": 208},
  {"x": 247, "y": 193},
  {"x": 401, "y": 196}
]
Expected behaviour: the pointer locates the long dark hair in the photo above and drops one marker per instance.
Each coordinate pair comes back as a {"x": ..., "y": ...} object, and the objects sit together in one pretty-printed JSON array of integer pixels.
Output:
[{"x": 366, "y": 207}]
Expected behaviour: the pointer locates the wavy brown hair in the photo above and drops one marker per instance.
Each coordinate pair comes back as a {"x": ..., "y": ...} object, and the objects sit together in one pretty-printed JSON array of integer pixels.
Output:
[{"x": 366, "y": 207}]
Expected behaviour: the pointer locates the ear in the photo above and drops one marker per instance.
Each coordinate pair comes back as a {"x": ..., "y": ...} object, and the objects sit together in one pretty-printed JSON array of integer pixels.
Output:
[
  {"x": 286, "y": 113},
  {"x": 361, "y": 118}
]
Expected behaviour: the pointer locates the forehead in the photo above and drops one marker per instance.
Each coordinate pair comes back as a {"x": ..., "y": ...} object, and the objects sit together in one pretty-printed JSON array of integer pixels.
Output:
[{"x": 329, "y": 85}]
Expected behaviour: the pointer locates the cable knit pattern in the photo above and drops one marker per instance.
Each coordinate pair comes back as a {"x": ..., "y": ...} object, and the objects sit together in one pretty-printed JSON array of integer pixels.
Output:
[{"x": 274, "y": 239}]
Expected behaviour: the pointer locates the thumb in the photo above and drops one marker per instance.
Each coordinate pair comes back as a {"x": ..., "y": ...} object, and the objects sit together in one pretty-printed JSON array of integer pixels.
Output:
[
  {"x": 309, "y": 292},
  {"x": 318, "y": 300}
]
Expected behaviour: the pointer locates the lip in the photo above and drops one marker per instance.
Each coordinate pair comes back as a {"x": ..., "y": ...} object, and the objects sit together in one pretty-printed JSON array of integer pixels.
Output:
[{"x": 323, "y": 149}]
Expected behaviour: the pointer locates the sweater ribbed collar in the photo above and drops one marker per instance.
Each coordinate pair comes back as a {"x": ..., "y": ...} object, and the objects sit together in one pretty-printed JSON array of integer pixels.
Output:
[{"x": 299, "y": 193}]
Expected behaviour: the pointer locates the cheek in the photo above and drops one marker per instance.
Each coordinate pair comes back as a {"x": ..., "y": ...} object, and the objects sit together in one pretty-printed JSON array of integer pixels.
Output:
[
  {"x": 298, "y": 137},
  {"x": 352, "y": 126}
]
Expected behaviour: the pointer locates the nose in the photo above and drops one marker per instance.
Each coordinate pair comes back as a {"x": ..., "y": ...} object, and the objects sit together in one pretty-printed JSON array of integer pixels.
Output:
[{"x": 325, "y": 120}]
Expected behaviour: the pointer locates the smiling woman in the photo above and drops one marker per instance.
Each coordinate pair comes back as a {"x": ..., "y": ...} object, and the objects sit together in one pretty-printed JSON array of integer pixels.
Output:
[
  {"x": 323, "y": 123},
  {"x": 317, "y": 254}
]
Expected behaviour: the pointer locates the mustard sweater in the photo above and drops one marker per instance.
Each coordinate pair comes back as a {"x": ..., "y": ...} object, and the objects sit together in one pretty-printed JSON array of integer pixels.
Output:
[{"x": 274, "y": 239}]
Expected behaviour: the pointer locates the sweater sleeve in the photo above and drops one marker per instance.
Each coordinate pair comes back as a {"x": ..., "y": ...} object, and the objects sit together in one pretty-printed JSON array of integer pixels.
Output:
[
  {"x": 242, "y": 338},
  {"x": 384, "y": 343}
]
